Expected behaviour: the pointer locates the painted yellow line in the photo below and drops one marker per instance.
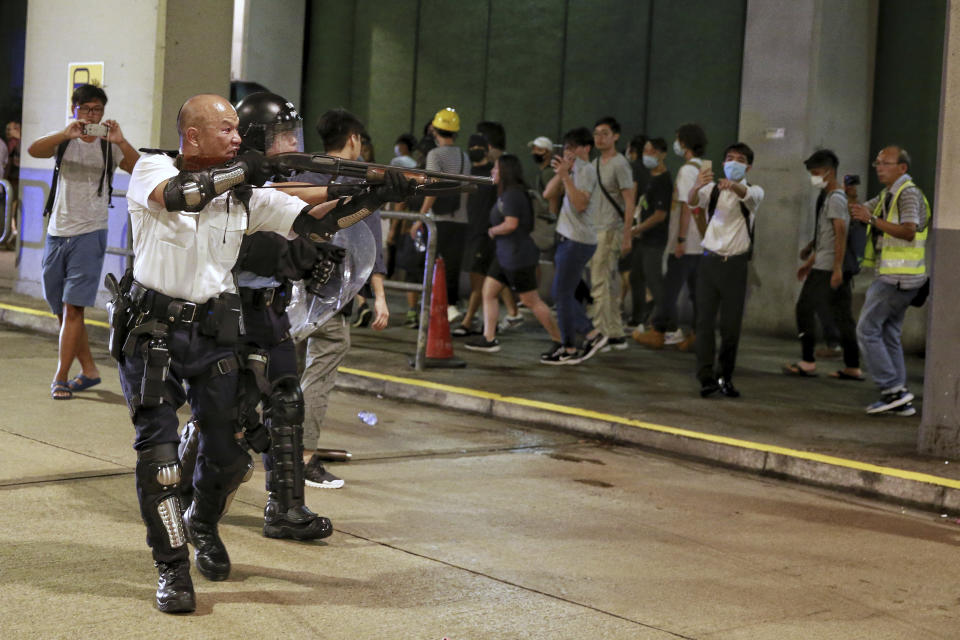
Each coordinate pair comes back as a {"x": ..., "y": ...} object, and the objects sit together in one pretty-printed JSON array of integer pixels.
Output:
[
  {"x": 47, "y": 314},
  {"x": 649, "y": 426}
]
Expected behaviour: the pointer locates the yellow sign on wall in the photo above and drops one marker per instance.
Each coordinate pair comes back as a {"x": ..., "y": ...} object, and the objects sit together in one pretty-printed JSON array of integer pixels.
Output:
[{"x": 79, "y": 73}]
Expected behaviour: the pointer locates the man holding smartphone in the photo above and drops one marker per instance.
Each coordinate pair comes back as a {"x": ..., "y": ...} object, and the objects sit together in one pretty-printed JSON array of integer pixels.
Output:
[{"x": 86, "y": 153}]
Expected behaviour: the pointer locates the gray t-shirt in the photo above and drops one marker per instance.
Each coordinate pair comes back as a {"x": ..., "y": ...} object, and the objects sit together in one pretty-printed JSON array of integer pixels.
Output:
[
  {"x": 77, "y": 209},
  {"x": 451, "y": 159},
  {"x": 575, "y": 225},
  {"x": 834, "y": 208},
  {"x": 615, "y": 174}
]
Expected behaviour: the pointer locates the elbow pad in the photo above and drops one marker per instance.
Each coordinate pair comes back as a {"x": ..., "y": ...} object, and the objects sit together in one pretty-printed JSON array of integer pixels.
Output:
[
  {"x": 192, "y": 190},
  {"x": 348, "y": 212}
]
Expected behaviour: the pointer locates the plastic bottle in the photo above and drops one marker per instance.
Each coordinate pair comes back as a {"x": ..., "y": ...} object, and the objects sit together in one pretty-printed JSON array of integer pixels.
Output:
[{"x": 369, "y": 417}]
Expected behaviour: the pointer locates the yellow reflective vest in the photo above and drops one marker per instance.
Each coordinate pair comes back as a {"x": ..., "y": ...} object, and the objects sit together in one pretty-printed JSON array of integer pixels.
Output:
[{"x": 899, "y": 257}]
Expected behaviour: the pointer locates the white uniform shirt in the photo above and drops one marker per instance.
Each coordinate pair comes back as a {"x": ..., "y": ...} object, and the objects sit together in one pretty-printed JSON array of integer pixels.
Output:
[
  {"x": 686, "y": 178},
  {"x": 727, "y": 233},
  {"x": 190, "y": 255}
]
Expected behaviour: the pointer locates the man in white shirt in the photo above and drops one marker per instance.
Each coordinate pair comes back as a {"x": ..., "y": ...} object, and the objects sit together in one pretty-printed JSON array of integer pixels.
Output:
[
  {"x": 729, "y": 207},
  {"x": 188, "y": 222}
]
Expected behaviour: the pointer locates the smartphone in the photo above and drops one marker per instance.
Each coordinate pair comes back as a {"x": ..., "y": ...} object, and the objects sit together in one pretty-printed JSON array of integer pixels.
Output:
[
  {"x": 706, "y": 165},
  {"x": 99, "y": 130},
  {"x": 851, "y": 180}
]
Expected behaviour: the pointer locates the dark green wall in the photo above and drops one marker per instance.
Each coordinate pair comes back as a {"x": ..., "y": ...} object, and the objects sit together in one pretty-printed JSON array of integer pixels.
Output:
[
  {"x": 539, "y": 66},
  {"x": 906, "y": 94},
  {"x": 13, "y": 31}
]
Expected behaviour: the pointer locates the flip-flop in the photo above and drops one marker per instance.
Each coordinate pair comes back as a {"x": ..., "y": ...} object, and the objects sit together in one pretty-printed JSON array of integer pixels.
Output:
[
  {"x": 82, "y": 383},
  {"x": 840, "y": 374},
  {"x": 795, "y": 370},
  {"x": 60, "y": 386}
]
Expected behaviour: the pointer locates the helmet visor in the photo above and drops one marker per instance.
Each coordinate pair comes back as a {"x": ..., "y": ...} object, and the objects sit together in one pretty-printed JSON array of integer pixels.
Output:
[{"x": 283, "y": 137}]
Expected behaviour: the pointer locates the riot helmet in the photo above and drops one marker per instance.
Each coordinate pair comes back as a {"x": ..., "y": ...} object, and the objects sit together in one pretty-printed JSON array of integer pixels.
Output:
[{"x": 269, "y": 123}]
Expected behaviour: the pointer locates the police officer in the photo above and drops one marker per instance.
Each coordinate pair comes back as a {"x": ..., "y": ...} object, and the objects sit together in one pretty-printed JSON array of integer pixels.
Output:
[{"x": 177, "y": 317}]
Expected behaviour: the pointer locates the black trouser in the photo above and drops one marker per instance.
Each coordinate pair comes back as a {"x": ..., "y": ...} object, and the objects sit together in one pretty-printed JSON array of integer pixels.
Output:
[
  {"x": 451, "y": 241},
  {"x": 818, "y": 298},
  {"x": 721, "y": 288},
  {"x": 679, "y": 271},
  {"x": 646, "y": 272}
]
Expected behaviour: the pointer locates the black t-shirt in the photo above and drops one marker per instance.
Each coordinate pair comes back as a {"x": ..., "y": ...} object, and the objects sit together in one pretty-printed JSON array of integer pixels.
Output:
[
  {"x": 657, "y": 197},
  {"x": 641, "y": 175},
  {"x": 479, "y": 203},
  {"x": 515, "y": 250}
]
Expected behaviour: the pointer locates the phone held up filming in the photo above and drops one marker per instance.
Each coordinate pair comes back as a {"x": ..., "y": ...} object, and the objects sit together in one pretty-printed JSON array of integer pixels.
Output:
[{"x": 98, "y": 130}]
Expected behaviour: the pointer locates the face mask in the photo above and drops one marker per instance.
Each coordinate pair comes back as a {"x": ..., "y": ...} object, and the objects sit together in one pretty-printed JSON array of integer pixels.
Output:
[
  {"x": 538, "y": 157},
  {"x": 677, "y": 149},
  {"x": 476, "y": 155},
  {"x": 396, "y": 150},
  {"x": 734, "y": 170},
  {"x": 650, "y": 162},
  {"x": 818, "y": 181}
]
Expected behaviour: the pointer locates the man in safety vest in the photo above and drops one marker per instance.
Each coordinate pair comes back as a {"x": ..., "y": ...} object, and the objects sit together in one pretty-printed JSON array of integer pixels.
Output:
[{"x": 899, "y": 219}]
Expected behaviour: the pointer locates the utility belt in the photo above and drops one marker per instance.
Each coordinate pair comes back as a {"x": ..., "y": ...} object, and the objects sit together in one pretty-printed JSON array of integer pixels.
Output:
[
  {"x": 276, "y": 298},
  {"x": 218, "y": 318}
]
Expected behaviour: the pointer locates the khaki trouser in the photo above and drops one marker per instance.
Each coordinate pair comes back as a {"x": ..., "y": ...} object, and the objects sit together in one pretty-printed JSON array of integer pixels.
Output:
[
  {"x": 326, "y": 348},
  {"x": 605, "y": 284}
]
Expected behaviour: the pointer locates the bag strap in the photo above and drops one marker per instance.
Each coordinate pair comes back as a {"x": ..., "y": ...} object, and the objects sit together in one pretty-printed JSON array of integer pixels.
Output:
[
  {"x": 61, "y": 150},
  {"x": 106, "y": 149},
  {"x": 712, "y": 207},
  {"x": 602, "y": 188}
]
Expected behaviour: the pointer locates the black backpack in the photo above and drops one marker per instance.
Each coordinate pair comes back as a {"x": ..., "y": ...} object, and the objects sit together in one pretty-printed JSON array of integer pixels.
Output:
[
  {"x": 712, "y": 207},
  {"x": 107, "y": 174}
]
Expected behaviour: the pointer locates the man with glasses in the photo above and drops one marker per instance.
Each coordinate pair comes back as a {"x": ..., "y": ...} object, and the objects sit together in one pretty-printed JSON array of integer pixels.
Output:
[
  {"x": 899, "y": 218},
  {"x": 77, "y": 232}
]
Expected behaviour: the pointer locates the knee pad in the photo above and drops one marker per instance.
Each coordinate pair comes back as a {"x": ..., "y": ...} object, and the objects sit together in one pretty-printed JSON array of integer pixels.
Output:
[
  {"x": 158, "y": 476},
  {"x": 285, "y": 406}
]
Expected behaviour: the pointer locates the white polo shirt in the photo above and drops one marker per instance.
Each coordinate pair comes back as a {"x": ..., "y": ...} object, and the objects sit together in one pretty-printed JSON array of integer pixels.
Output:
[
  {"x": 727, "y": 233},
  {"x": 191, "y": 255}
]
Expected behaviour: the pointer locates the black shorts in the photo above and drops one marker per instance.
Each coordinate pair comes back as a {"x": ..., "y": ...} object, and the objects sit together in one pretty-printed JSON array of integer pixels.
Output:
[
  {"x": 520, "y": 280},
  {"x": 479, "y": 253}
]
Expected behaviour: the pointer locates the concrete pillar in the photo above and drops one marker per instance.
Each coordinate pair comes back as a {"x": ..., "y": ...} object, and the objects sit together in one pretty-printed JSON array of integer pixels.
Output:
[
  {"x": 155, "y": 55},
  {"x": 269, "y": 45},
  {"x": 807, "y": 83},
  {"x": 940, "y": 427}
]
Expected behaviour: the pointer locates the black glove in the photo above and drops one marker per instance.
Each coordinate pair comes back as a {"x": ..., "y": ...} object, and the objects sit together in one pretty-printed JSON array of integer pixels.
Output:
[
  {"x": 329, "y": 256},
  {"x": 395, "y": 187},
  {"x": 257, "y": 168}
]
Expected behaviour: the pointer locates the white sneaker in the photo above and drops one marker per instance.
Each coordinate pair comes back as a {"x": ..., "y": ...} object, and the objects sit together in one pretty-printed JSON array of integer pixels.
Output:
[
  {"x": 509, "y": 322},
  {"x": 673, "y": 337},
  {"x": 452, "y": 313}
]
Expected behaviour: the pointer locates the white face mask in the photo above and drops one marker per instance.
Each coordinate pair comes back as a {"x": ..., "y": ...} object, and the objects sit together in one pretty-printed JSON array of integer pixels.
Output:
[
  {"x": 818, "y": 181},
  {"x": 677, "y": 149},
  {"x": 650, "y": 162},
  {"x": 396, "y": 150}
]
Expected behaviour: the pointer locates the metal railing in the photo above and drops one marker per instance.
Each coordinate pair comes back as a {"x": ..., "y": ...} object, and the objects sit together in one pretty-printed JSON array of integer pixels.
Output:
[{"x": 425, "y": 289}]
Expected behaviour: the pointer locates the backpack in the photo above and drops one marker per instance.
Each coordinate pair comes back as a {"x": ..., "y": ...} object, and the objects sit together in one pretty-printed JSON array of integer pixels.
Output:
[
  {"x": 108, "y": 167},
  {"x": 544, "y": 223},
  {"x": 712, "y": 207}
]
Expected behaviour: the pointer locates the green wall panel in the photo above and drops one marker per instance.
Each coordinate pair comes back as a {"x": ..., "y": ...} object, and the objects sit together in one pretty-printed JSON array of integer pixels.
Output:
[
  {"x": 328, "y": 64},
  {"x": 451, "y": 61},
  {"x": 906, "y": 94},
  {"x": 696, "y": 78},
  {"x": 606, "y": 63}
]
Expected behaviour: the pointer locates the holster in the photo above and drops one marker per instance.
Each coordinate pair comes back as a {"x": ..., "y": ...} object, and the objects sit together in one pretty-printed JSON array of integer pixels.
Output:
[
  {"x": 119, "y": 311},
  {"x": 156, "y": 358},
  {"x": 224, "y": 320}
]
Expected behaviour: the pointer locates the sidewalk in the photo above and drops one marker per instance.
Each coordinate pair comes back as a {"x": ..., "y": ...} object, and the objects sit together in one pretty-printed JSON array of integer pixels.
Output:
[{"x": 813, "y": 430}]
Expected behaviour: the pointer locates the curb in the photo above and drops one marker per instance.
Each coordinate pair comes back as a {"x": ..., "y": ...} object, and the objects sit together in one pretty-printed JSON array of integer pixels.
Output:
[
  {"x": 885, "y": 483},
  {"x": 911, "y": 488}
]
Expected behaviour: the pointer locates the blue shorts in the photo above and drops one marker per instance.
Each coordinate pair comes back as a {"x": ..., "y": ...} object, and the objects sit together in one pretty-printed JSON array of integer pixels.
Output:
[{"x": 71, "y": 269}]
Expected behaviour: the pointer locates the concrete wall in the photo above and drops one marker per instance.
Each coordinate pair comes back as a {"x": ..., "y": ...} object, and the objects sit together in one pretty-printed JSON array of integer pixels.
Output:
[{"x": 155, "y": 54}]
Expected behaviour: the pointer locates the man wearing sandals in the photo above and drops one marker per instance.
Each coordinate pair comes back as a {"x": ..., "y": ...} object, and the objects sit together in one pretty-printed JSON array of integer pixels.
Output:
[{"x": 77, "y": 233}]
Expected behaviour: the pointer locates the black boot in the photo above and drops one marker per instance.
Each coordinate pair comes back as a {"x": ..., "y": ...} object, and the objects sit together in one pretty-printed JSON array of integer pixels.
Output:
[
  {"x": 298, "y": 523},
  {"x": 174, "y": 587},
  {"x": 200, "y": 522}
]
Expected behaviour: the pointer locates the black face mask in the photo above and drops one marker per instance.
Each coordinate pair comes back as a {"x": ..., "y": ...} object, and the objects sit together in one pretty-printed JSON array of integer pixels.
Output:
[
  {"x": 476, "y": 155},
  {"x": 538, "y": 157}
]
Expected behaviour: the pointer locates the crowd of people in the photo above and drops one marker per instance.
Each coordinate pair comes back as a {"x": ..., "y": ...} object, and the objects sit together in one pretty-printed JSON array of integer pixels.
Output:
[{"x": 202, "y": 315}]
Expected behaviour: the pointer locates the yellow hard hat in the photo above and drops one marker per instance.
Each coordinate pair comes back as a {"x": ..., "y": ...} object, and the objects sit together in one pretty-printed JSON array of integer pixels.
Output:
[{"x": 447, "y": 119}]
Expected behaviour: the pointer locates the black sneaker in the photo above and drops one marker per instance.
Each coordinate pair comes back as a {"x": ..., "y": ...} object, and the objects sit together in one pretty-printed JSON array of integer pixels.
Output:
[
  {"x": 905, "y": 410},
  {"x": 364, "y": 316},
  {"x": 461, "y": 331},
  {"x": 617, "y": 344},
  {"x": 593, "y": 345},
  {"x": 314, "y": 475},
  {"x": 482, "y": 344},
  {"x": 174, "y": 587},
  {"x": 890, "y": 400},
  {"x": 562, "y": 356},
  {"x": 552, "y": 350}
]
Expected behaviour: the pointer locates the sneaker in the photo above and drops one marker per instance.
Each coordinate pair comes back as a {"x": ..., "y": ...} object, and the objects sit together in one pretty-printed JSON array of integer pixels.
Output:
[
  {"x": 364, "y": 316},
  {"x": 314, "y": 475},
  {"x": 551, "y": 351},
  {"x": 509, "y": 322},
  {"x": 453, "y": 313},
  {"x": 890, "y": 400},
  {"x": 482, "y": 344},
  {"x": 672, "y": 337},
  {"x": 617, "y": 344},
  {"x": 562, "y": 356},
  {"x": 461, "y": 331},
  {"x": 593, "y": 345},
  {"x": 412, "y": 319},
  {"x": 905, "y": 410}
]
